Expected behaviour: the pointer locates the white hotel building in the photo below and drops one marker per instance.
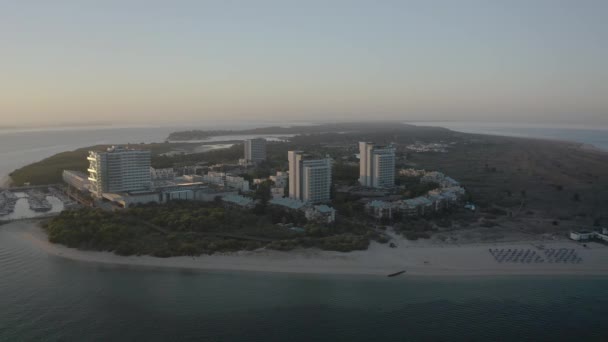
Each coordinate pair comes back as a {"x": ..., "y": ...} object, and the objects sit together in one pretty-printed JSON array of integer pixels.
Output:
[
  {"x": 309, "y": 179},
  {"x": 376, "y": 165},
  {"x": 119, "y": 170}
]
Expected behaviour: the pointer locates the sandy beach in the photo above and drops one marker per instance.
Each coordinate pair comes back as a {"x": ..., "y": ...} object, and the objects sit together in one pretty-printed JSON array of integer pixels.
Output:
[{"x": 415, "y": 258}]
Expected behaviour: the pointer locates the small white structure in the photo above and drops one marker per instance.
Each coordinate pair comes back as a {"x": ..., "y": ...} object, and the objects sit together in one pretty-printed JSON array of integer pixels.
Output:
[
  {"x": 244, "y": 162},
  {"x": 582, "y": 235},
  {"x": 236, "y": 182},
  {"x": 162, "y": 174},
  {"x": 411, "y": 172},
  {"x": 192, "y": 178},
  {"x": 227, "y": 180},
  {"x": 280, "y": 179},
  {"x": 321, "y": 213},
  {"x": 76, "y": 179},
  {"x": 183, "y": 195},
  {"x": 380, "y": 209},
  {"x": 214, "y": 177},
  {"x": 277, "y": 192}
]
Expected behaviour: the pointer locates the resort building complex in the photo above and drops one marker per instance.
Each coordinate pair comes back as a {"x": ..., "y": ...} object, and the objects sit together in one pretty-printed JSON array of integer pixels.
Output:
[
  {"x": 119, "y": 169},
  {"x": 376, "y": 165},
  {"x": 309, "y": 179}
]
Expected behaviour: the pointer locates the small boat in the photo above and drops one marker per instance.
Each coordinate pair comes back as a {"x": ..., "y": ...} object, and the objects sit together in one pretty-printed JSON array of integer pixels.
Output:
[{"x": 395, "y": 274}]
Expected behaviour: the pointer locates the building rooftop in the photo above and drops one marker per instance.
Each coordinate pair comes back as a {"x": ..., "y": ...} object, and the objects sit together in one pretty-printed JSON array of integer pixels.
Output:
[
  {"x": 238, "y": 200},
  {"x": 324, "y": 208},
  {"x": 288, "y": 202},
  {"x": 379, "y": 204},
  {"x": 414, "y": 202}
]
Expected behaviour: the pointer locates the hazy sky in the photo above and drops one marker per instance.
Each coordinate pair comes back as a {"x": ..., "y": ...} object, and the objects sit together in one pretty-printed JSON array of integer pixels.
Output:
[{"x": 151, "y": 61}]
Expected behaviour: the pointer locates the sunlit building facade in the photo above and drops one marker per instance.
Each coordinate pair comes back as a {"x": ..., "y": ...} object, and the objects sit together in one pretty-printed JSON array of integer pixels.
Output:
[
  {"x": 309, "y": 179},
  {"x": 119, "y": 169},
  {"x": 376, "y": 165}
]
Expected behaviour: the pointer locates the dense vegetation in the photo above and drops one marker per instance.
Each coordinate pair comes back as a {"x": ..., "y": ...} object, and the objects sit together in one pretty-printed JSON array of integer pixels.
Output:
[
  {"x": 49, "y": 170},
  {"x": 195, "y": 228}
]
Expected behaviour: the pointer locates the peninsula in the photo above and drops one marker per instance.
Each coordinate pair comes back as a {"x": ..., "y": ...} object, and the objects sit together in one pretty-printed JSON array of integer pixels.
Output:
[{"x": 447, "y": 199}]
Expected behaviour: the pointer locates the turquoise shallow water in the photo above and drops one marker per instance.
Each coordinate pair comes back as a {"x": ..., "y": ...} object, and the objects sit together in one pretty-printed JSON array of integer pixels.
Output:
[{"x": 46, "y": 298}]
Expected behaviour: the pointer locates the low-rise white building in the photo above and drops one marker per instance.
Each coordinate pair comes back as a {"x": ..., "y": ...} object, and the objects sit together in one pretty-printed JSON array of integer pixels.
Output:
[
  {"x": 320, "y": 213},
  {"x": 227, "y": 180},
  {"x": 215, "y": 177},
  {"x": 585, "y": 235},
  {"x": 417, "y": 206},
  {"x": 439, "y": 178},
  {"x": 380, "y": 209},
  {"x": 581, "y": 236},
  {"x": 412, "y": 172},
  {"x": 237, "y": 182},
  {"x": 277, "y": 192},
  {"x": 162, "y": 174},
  {"x": 77, "y": 179},
  {"x": 280, "y": 179}
]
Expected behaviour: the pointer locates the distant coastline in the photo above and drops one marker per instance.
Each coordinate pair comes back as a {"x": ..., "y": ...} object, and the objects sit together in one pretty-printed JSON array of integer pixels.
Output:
[
  {"x": 596, "y": 137},
  {"x": 418, "y": 259}
]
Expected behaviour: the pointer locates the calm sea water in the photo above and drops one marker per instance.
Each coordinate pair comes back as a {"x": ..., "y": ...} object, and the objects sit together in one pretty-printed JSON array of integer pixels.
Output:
[
  {"x": 44, "y": 298},
  {"x": 47, "y": 298}
]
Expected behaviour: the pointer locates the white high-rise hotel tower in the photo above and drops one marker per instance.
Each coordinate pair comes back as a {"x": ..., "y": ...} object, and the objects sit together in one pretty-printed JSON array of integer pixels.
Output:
[
  {"x": 376, "y": 165},
  {"x": 309, "y": 179},
  {"x": 119, "y": 170}
]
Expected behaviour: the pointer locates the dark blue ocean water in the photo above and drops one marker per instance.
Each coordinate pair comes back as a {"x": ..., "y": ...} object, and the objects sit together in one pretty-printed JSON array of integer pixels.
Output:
[{"x": 45, "y": 298}]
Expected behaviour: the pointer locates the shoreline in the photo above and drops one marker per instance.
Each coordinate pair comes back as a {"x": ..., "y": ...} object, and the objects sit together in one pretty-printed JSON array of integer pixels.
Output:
[
  {"x": 378, "y": 260},
  {"x": 5, "y": 181}
]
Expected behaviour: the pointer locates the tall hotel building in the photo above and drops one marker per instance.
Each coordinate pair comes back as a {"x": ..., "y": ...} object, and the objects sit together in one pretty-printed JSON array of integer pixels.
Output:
[
  {"x": 309, "y": 179},
  {"x": 255, "y": 150},
  {"x": 376, "y": 165},
  {"x": 119, "y": 169}
]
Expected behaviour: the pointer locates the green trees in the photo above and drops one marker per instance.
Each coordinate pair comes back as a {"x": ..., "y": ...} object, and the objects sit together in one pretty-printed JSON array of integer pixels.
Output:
[{"x": 195, "y": 228}]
